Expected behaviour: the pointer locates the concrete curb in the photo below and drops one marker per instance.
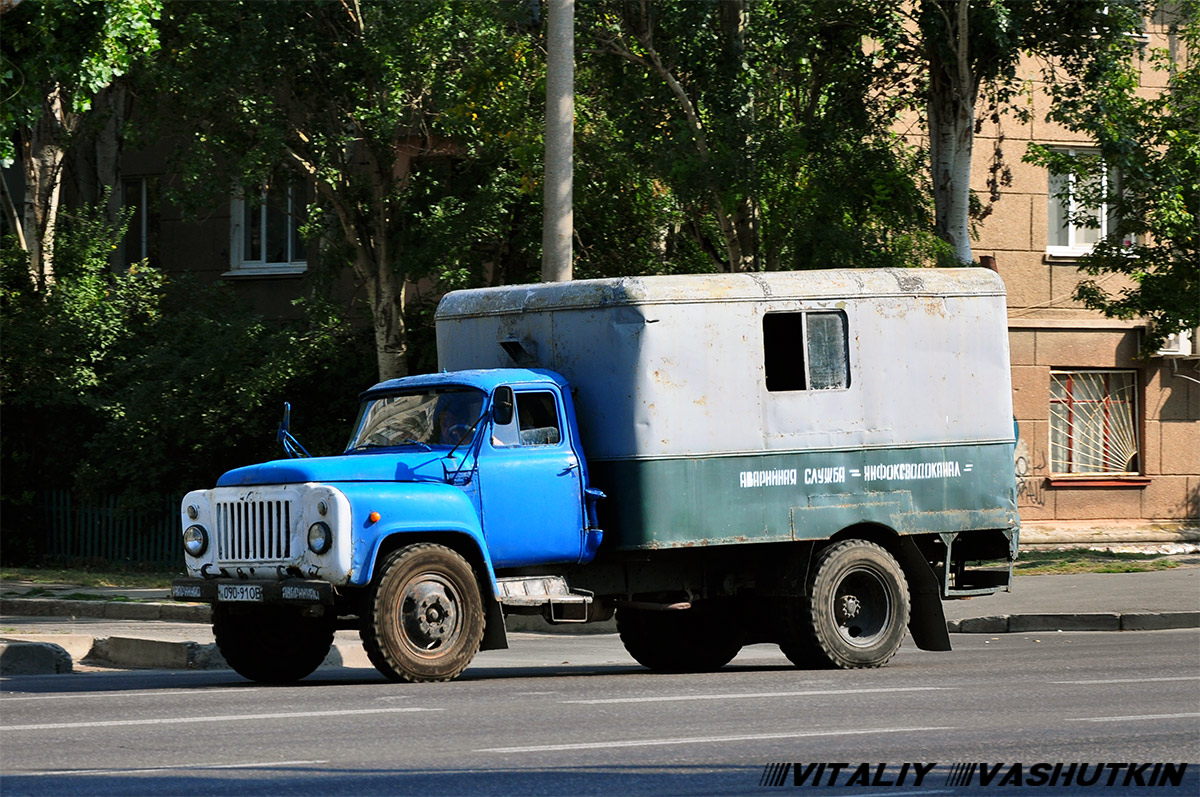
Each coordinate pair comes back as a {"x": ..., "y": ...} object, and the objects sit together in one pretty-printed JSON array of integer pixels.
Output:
[
  {"x": 33, "y": 658},
  {"x": 28, "y": 657},
  {"x": 1099, "y": 621}
]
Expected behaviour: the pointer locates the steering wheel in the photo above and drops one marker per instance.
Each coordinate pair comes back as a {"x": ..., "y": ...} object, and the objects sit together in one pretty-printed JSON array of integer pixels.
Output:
[{"x": 455, "y": 434}]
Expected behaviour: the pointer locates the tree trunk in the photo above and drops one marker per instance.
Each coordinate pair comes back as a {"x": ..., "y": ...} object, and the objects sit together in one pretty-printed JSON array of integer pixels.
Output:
[
  {"x": 385, "y": 294},
  {"x": 15, "y": 222},
  {"x": 41, "y": 153},
  {"x": 373, "y": 268},
  {"x": 740, "y": 225},
  {"x": 96, "y": 162},
  {"x": 952, "y": 93},
  {"x": 951, "y": 136}
]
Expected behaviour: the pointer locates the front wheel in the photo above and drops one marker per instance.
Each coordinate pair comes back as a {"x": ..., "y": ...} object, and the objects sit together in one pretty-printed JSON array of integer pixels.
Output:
[
  {"x": 856, "y": 611},
  {"x": 426, "y": 617},
  {"x": 271, "y": 644}
]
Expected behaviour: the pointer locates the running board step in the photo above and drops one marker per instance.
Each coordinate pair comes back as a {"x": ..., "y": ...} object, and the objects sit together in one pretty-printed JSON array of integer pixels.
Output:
[{"x": 559, "y": 603}]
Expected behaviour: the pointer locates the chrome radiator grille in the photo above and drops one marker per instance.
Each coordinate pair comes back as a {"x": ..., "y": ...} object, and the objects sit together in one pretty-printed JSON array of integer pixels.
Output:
[{"x": 253, "y": 531}]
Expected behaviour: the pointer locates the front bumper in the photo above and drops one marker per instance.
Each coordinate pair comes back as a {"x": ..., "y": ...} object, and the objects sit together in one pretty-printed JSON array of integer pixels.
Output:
[{"x": 289, "y": 592}]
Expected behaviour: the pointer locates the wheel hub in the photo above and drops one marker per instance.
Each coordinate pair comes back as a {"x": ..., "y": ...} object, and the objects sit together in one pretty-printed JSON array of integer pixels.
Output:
[
  {"x": 430, "y": 614},
  {"x": 862, "y": 607}
]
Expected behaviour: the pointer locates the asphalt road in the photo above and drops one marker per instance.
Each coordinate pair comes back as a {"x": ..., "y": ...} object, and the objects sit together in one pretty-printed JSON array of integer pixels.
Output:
[{"x": 575, "y": 716}]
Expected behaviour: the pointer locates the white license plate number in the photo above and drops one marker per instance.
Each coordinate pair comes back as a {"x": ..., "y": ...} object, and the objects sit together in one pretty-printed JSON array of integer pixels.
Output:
[{"x": 246, "y": 593}]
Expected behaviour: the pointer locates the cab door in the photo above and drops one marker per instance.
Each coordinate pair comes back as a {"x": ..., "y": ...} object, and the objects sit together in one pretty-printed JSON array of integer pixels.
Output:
[{"x": 530, "y": 486}]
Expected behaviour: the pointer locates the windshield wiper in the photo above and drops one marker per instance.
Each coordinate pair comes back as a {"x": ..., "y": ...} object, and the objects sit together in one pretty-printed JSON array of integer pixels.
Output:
[{"x": 468, "y": 435}]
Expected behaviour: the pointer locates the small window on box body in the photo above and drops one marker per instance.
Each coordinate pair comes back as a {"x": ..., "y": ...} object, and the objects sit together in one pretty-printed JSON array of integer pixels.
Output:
[{"x": 806, "y": 351}]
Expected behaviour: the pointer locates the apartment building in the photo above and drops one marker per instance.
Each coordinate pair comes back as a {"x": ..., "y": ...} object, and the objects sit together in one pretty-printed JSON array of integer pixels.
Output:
[{"x": 1109, "y": 447}]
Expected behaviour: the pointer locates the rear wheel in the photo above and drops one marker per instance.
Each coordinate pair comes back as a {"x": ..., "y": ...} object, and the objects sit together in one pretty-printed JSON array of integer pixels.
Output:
[
  {"x": 701, "y": 639},
  {"x": 796, "y": 637},
  {"x": 426, "y": 619},
  {"x": 856, "y": 611},
  {"x": 271, "y": 644}
]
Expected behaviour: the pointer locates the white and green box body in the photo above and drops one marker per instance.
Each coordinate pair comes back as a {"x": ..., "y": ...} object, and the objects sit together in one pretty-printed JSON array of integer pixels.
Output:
[{"x": 684, "y": 430}]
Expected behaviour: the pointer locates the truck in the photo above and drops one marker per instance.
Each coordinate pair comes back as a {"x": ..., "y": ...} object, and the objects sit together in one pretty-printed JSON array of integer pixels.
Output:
[{"x": 813, "y": 459}]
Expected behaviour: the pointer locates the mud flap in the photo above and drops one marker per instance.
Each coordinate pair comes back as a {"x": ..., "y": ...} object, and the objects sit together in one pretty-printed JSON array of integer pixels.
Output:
[
  {"x": 495, "y": 637},
  {"x": 926, "y": 620}
]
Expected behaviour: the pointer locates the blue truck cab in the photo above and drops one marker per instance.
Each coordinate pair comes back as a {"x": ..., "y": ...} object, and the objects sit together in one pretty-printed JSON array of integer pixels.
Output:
[{"x": 482, "y": 467}]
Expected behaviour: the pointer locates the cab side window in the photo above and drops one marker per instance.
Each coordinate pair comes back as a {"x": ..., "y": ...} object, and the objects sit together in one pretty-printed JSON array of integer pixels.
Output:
[
  {"x": 538, "y": 416},
  {"x": 535, "y": 422}
]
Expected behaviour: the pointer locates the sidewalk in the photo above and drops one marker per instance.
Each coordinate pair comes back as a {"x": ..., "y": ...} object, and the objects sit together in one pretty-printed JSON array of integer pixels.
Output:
[{"x": 143, "y": 628}]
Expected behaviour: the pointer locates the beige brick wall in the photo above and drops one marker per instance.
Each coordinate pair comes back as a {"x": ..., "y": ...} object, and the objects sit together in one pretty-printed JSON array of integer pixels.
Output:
[{"x": 1049, "y": 330}]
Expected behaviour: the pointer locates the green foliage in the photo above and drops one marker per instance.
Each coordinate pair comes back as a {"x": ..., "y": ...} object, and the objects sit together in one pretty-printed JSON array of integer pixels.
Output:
[
  {"x": 58, "y": 347},
  {"x": 410, "y": 118},
  {"x": 207, "y": 386},
  {"x": 781, "y": 118},
  {"x": 124, "y": 382},
  {"x": 1149, "y": 143},
  {"x": 75, "y": 47}
]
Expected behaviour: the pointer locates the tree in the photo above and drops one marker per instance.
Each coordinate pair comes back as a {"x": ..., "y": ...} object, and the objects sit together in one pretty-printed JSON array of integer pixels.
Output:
[
  {"x": 770, "y": 125},
  {"x": 125, "y": 382},
  {"x": 57, "y": 58},
  {"x": 968, "y": 47},
  {"x": 397, "y": 112},
  {"x": 1148, "y": 144}
]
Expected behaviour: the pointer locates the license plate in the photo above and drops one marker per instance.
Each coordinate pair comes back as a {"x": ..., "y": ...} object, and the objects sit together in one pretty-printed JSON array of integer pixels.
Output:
[{"x": 240, "y": 592}]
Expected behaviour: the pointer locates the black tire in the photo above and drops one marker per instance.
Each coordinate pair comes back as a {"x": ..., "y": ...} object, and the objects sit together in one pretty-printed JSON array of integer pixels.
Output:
[
  {"x": 856, "y": 611},
  {"x": 796, "y": 637},
  {"x": 271, "y": 644},
  {"x": 701, "y": 639},
  {"x": 426, "y": 615}
]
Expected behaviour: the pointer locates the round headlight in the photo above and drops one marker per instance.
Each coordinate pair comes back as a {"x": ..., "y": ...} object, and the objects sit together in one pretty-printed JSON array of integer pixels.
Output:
[
  {"x": 320, "y": 537},
  {"x": 195, "y": 540}
]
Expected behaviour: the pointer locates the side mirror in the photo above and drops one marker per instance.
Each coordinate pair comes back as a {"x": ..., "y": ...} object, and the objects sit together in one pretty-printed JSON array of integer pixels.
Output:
[{"x": 502, "y": 406}]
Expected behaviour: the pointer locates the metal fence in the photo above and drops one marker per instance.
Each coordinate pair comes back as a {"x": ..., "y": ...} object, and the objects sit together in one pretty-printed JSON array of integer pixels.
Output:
[{"x": 101, "y": 531}]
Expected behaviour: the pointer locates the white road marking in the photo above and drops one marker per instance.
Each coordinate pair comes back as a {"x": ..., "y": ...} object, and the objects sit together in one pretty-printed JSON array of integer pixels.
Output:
[
  {"x": 1135, "y": 718},
  {"x": 145, "y": 770},
  {"x": 50, "y": 726},
  {"x": 750, "y": 737},
  {"x": 757, "y": 695},
  {"x": 1132, "y": 680}
]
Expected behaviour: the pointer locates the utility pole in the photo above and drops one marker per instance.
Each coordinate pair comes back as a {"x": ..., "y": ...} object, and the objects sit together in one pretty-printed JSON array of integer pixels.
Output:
[{"x": 557, "y": 211}]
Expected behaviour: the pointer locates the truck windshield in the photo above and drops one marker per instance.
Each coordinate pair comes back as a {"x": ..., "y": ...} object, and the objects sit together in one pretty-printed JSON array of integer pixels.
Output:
[{"x": 436, "y": 417}]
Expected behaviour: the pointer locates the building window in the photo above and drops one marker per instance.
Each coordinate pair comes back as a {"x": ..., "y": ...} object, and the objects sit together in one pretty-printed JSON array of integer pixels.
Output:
[
  {"x": 1078, "y": 212},
  {"x": 265, "y": 231},
  {"x": 805, "y": 351},
  {"x": 139, "y": 197},
  {"x": 1093, "y": 422}
]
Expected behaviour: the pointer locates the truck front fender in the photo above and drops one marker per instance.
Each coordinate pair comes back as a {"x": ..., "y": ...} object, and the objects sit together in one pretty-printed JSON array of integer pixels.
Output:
[{"x": 413, "y": 509}]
